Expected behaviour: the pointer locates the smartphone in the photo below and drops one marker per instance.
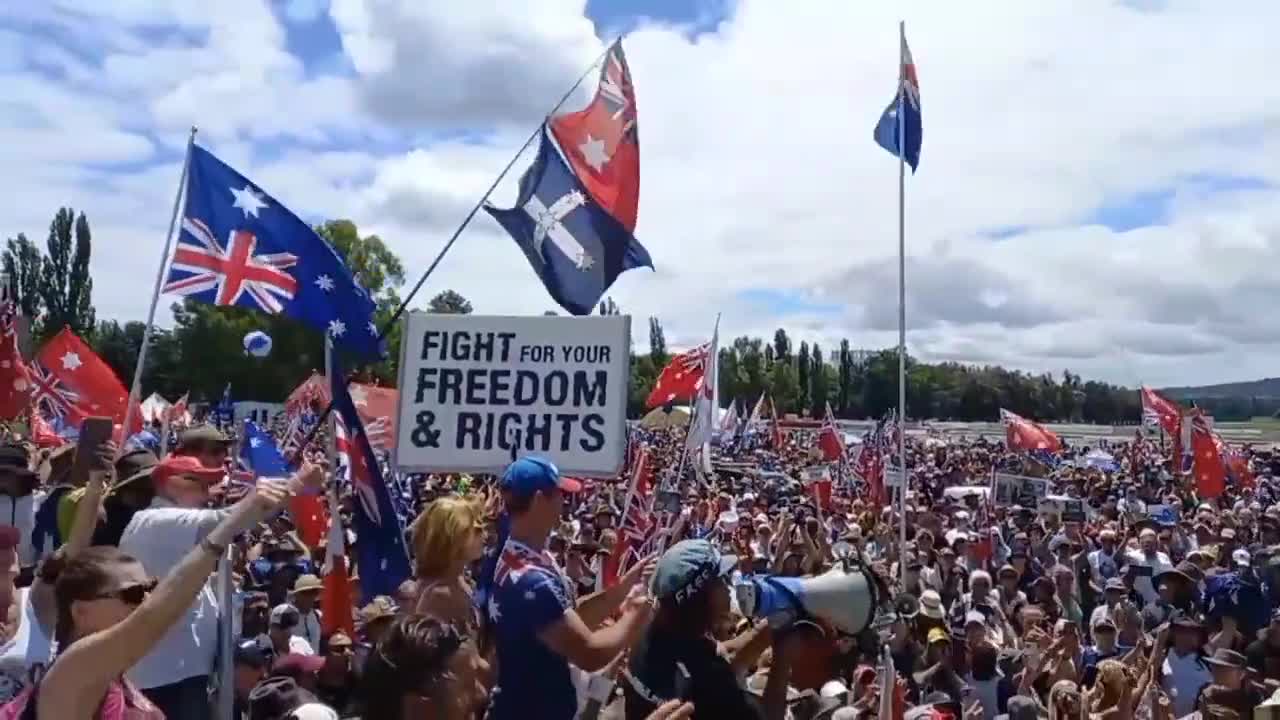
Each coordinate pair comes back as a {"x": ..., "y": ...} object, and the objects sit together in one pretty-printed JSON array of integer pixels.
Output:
[{"x": 94, "y": 433}]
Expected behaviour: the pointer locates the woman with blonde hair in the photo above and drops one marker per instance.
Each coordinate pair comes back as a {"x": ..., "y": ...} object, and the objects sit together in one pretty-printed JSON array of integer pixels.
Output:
[{"x": 448, "y": 536}]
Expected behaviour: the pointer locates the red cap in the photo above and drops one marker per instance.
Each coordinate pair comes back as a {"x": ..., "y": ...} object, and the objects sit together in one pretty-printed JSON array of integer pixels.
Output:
[
  {"x": 187, "y": 465},
  {"x": 295, "y": 664}
]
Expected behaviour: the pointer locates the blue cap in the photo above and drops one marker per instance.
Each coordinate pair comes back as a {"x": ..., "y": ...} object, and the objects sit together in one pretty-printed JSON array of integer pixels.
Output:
[
  {"x": 686, "y": 567},
  {"x": 531, "y": 474}
]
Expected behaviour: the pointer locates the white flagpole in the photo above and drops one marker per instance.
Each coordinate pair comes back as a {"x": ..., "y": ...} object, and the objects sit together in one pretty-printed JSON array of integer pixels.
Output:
[
  {"x": 331, "y": 447},
  {"x": 902, "y": 309},
  {"x": 226, "y": 638},
  {"x": 136, "y": 388}
]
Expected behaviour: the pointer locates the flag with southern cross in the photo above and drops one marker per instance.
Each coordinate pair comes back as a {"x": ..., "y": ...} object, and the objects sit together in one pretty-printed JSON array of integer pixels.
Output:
[
  {"x": 602, "y": 141},
  {"x": 238, "y": 246},
  {"x": 903, "y": 114},
  {"x": 576, "y": 248},
  {"x": 381, "y": 553}
]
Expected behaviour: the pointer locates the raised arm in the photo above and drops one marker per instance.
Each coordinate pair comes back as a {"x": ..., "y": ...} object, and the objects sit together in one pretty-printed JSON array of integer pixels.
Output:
[
  {"x": 76, "y": 682},
  {"x": 570, "y": 638},
  {"x": 82, "y": 526}
]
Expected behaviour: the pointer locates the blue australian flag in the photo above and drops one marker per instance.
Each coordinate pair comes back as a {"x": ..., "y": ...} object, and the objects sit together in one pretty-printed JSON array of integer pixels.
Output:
[
  {"x": 905, "y": 105},
  {"x": 380, "y": 549},
  {"x": 260, "y": 454},
  {"x": 238, "y": 246},
  {"x": 576, "y": 248}
]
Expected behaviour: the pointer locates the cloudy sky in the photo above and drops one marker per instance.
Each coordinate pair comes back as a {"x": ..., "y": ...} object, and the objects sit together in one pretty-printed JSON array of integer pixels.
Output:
[{"x": 1099, "y": 187}]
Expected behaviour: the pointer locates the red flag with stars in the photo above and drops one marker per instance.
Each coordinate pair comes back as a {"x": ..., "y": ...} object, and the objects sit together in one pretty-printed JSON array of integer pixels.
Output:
[
  {"x": 1206, "y": 465},
  {"x": 681, "y": 378},
  {"x": 602, "y": 142},
  {"x": 15, "y": 380},
  {"x": 70, "y": 381},
  {"x": 1023, "y": 434}
]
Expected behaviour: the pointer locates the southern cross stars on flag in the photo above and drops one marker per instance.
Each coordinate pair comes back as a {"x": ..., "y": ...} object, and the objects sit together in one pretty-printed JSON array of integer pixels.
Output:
[{"x": 238, "y": 246}]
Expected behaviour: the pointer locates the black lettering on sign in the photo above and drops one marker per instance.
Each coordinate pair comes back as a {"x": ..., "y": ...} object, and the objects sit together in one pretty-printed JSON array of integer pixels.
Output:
[
  {"x": 591, "y": 425},
  {"x": 483, "y": 348},
  {"x": 423, "y": 434},
  {"x": 566, "y": 429},
  {"x": 589, "y": 391},
  {"x": 506, "y": 338},
  {"x": 579, "y": 354},
  {"x": 432, "y": 340},
  {"x": 537, "y": 353},
  {"x": 526, "y": 387},
  {"x": 475, "y": 386},
  {"x": 537, "y": 435},
  {"x": 508, "y": 430},
  {"x": 498, "y": 387},
  {"x": 450, "y": 386},
  {"x": 468, "y": 435},
  {"x": 555, "y": 388},
  {"x": 426, "y": 381}
]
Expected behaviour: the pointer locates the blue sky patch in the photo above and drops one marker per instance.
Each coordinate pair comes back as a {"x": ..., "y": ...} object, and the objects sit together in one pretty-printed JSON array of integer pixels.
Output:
[
  {"x": 613, "y": 17},
  {"x": 786, "y": 302},
  {"x": 1151, "y": 207}
]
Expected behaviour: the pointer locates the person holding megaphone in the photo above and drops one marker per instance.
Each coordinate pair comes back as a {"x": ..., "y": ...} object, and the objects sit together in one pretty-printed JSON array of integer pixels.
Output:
[{"x": 678, "y": 657}]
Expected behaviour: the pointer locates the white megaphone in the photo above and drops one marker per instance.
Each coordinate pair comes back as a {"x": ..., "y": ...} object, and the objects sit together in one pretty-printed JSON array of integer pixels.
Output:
[{"x": 848, "y": 599}]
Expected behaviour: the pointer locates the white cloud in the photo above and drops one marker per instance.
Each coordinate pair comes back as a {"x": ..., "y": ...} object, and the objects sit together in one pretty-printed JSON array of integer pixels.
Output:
[{"x": 758, "y": 166}]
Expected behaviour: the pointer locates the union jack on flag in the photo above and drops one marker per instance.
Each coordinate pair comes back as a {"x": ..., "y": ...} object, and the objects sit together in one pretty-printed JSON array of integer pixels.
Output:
[
  {"x": 239, "y": 246},
  {"x": 49, "y": 394},
  {"x": 232, "y": 271}
]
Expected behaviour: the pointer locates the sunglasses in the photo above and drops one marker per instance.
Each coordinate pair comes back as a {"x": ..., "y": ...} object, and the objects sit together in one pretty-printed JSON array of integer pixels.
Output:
[{"x": 130, "y": 594}]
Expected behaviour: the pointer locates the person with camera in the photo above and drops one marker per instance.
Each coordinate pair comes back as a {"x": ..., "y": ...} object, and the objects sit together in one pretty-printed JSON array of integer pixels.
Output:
[{"x": 679, "y": 659}]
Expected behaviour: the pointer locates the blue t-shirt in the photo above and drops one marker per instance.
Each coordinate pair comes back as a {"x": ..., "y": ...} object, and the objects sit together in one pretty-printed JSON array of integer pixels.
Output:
[{"x": 529, "y": 594}]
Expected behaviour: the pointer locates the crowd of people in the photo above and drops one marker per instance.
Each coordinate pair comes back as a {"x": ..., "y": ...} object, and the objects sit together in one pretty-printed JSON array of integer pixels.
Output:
[{"x": 537, "y": 595}]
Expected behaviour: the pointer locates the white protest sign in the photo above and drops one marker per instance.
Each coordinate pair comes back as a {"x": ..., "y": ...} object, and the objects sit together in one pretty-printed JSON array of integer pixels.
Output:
[
  {"x": 477, "y": 390},
  {"x": 259, "y": 412},
  {"x": 1013, "y": 489}
]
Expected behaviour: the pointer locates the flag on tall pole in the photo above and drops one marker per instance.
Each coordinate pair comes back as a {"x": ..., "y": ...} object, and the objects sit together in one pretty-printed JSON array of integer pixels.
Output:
[
  {"x": 704, "y": 404},
  {"x": 900, "y": 131}
]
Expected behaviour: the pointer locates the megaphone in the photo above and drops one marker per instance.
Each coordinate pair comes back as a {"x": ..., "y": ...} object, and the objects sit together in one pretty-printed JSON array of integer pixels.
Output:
[{"x": 846, "y": 598}]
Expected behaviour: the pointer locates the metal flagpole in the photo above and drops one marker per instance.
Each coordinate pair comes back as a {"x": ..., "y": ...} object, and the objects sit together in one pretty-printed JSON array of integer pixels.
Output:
[
  {"x": 136, "y": 388},
  {"x": 404, "y": 304},
  {"x": 226, "y": 638},
  {"x": 902, "y": 311},
  {"x": 331, "y": 449}
]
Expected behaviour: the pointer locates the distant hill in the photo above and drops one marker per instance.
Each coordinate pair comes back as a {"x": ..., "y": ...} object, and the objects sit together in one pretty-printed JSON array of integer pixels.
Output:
[{"x": 1264, "y": 388}]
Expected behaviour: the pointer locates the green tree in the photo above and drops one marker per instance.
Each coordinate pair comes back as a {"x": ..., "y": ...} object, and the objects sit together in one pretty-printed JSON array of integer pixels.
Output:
[
  {"x": 803, "y": 364},
  {"x": 65, "y": 286},
  {"x": 781, "y": 346},
  {"x": 817, "y": 383},
  {"x": 609, "y": 307},
  {"x": 118, "y": 345},
  {"x": 784, "y": 387},
  {"x": 449, "y": 302},
  {"x": 844, "y": 382},
  {"x": 657, "y": 344},
  {"x": 22, "y": 260}
]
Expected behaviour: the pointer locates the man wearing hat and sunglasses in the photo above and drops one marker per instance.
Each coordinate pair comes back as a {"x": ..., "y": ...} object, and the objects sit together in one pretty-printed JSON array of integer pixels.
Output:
[
  {"x": 175, "y": 674},
  {"x": 538, "y": 630}
]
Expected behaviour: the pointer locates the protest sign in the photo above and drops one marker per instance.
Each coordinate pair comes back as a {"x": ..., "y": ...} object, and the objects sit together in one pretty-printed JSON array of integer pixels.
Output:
[
  {"x": 262, "y": 414},
  {"x": 477, "y": 391},
  {"x": 1019, "y": 489}
]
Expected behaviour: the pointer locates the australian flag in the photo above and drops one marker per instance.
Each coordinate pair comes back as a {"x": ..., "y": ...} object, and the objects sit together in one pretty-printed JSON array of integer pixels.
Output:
[
  {"x": 380, "y": 549},
  {"x": 576, "y": 248},
  {"x": 903, "y": 114},
  {"x": 238, "y": 246},
  {"x": 260, "y": 454}
]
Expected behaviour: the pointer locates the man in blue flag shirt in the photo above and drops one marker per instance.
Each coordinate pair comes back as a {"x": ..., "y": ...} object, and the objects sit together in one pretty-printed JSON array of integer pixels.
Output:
[{"x": 538, "y": 630}]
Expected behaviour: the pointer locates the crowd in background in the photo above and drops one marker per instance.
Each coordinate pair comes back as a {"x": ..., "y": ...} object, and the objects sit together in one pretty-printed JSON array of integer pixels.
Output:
[{"x": 1151, "y": 602}]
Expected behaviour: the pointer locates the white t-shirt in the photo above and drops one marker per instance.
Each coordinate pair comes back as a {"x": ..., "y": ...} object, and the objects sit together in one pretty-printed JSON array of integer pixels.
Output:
[
  {"x": 21, "y": 513},
  {"x": 160, "y": 537},
  {"x": 300, "y": 646},
  {"x": 1158, "y": 564}
]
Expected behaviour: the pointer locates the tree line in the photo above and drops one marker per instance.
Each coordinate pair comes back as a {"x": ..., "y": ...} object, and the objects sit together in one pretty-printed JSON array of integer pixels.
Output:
[{"x": 201, "y": 351}]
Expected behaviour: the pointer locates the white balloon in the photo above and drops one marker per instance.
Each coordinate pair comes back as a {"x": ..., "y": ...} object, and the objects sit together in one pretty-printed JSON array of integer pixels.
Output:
[{"x": 257, "y": 344}]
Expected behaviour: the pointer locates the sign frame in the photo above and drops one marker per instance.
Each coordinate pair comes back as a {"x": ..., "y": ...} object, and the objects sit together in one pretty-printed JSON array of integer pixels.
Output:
[{"x": 566, "y": 468}]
